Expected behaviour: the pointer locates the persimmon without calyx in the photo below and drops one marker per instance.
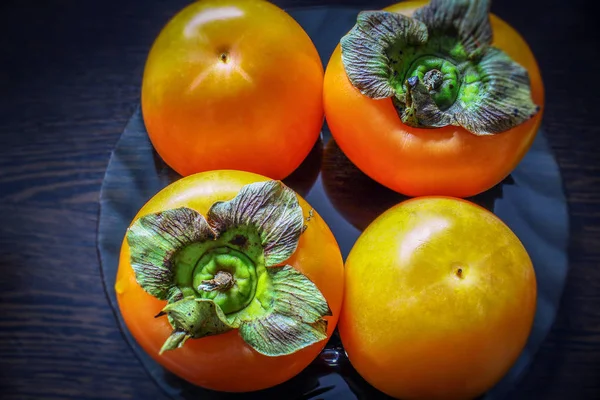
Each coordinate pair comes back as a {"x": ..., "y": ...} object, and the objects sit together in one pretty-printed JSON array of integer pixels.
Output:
[
  {"x": 439, "y": 300},
  {"x": 233, "y": 84}
]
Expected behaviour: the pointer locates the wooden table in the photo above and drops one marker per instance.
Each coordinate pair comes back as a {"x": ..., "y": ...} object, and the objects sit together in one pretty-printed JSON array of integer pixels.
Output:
[{"x": 70, "y": 74}]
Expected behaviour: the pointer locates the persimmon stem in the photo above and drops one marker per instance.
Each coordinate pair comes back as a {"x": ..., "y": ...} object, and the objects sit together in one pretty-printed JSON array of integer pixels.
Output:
[
  {"x": 217, "y": 271},
  {"x": 222, "y": 282},
  {"x": 433, "y": 79}
]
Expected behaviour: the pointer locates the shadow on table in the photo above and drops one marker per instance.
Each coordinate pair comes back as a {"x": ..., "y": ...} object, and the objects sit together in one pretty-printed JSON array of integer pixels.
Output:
[
  {"x": 360, "y": 199},
  {"x": 301, "y": 179}
]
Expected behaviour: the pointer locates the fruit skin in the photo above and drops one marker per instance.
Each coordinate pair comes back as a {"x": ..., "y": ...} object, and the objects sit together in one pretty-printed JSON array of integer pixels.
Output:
[
  {"x": 233, "y": 84},
  {"x": 446, "y": 161},
  {"x": 413, "y": 324},
  {"x": 225, "y": 362}
]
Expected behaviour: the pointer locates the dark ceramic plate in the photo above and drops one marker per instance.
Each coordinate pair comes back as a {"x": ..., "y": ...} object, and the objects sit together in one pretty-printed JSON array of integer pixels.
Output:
[{"x": 531, "y": 202}]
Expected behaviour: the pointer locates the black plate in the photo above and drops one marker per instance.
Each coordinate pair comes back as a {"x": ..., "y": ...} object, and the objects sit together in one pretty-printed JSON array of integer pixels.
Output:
[{"x": 531, "y": 202}]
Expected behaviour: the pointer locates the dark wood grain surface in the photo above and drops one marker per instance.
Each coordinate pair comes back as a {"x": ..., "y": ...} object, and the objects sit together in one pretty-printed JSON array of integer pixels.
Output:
[{"x": 70, "y": 74}]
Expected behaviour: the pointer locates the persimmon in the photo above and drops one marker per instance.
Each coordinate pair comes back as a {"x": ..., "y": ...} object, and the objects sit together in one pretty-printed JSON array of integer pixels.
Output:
[
  {"x": 233, "y": 84},
  {"x": 439, "y": 98},
  {"x": 230, "y": 280},
  {"x": 439, "y": 300}
]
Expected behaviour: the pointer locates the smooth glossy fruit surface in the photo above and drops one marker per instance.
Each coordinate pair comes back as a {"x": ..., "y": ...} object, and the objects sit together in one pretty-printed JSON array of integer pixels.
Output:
[{"x": 439, "y": 300}]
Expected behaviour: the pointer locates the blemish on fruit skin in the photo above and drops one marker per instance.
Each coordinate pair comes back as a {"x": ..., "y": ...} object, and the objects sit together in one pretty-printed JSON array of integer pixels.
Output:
[{"x": 239, "y": 240}]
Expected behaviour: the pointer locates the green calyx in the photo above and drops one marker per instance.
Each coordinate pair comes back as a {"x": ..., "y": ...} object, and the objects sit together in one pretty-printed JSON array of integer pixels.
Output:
[
  {"x": 223, "y": 272},
  {"x": 440, "y": 77},
  {"x": 226, "y": 276},
  {"x": 438, "y": 67}
]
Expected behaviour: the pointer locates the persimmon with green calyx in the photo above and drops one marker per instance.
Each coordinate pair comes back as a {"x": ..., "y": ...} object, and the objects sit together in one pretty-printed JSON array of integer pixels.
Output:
[
  {"x": 438, "y": 98},
  {"x": 233, "y": 84},
  {"x": 230, "y": 280},
  {"x": 439, "y": 301}
]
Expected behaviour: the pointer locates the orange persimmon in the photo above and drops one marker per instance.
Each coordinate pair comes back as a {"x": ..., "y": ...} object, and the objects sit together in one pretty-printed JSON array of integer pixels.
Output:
[{"x": 446, "y": 160}]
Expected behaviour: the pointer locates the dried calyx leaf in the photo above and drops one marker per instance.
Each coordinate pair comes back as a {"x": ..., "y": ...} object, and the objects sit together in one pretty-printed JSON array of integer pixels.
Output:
[
  {"x": 271, "y": 209},
  {"x": 193, "y": 318},
  {"x": 221, "y": 273},
  {"x": 294, "y": 319},
  {"x": 364, "y": 49},
  {"x": 439, "y": 67},
  {"x": 153, "y": 241}
]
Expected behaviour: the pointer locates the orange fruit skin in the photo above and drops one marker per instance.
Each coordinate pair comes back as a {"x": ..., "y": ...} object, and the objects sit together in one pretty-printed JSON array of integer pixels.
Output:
[
  {"x": 439, "y": 301},
  {"x": 233, "y": 84},
  {"x": 446, "y": 161}
]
